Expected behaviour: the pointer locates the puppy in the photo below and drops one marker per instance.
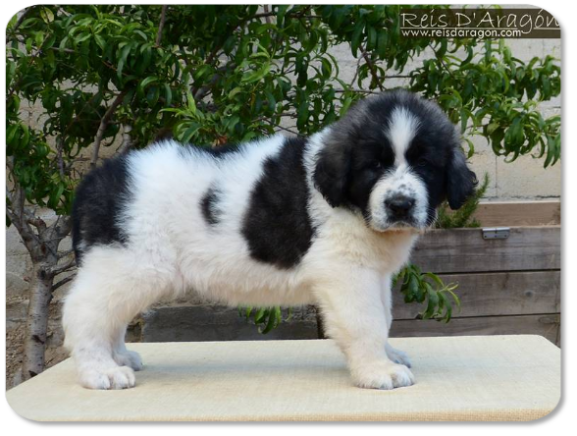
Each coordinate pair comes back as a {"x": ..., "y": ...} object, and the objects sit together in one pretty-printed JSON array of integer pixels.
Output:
[{"x": 279, "y": 221}]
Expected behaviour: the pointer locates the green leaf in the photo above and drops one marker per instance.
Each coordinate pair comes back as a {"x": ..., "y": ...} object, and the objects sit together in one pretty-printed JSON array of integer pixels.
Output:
[
  {"x": 382, "y": 43},
  {"x": 122, "y": 60},
  {"x": 492, "y": 127},
  {"x": 371, "y": 38},
  {"x": 167, "y": 94},
  {"x": 413, "y": 286},
  {"x": 25, "y": 137},
  {"x": 356, "y": 38},
  {"x": 145, "y": 83},
  {"x": 303, "y": 115},
  {"x": 192, "y": 129},
  {"x": 281, "y": 11},
  {"x": 191, "y": 104},
  {"x": 271, "y": 322},
  {"x": 234, "y": 92},
  {"x": 82, "y": 37},
  {"x": 257, "y": 75},
  {"x": 326, "y": 68},
  {"x": 11, "y": 133},
  {"x": 464, "y": 115},
  {"x": 433, "y": 300},
  {"x": 100, "y": 41},
  {"x": 46, "y": 15},
  {"x": 258, "y": 318},
  {"x": 55, "y": 196}
]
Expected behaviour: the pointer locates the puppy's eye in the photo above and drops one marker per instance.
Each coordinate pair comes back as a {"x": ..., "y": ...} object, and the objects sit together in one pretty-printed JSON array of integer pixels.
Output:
[
  {"x": 421, "y": 162},
  {"x": 376, "y": 165}
]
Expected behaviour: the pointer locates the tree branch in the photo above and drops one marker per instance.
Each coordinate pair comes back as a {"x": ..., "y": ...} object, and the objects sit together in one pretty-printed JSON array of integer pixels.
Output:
[
  {"x": 203, "y": 91},
  {"x": 64, "y": 254},
  {"x": 356, "y": 73},
  {"x": 267, "y": 16},
  {"x": 126, "y": 139},
  {"x": 161, "y": 25},
  {"x": 63, "y": 227},
  {"x": 37, "y": 222},
  {"x": 103, "y": 124},
  {"x": 59, "y": 148},
  {"x": 372, "y": 69},
  {"x": 286, "y": 130},
  {"x": 442, "y": 61},
  {"x": 359, "y": 91},
  {"x": 63, "y": 282},
  {"x": 71, "y": 264},
  {"x": 18, "y": 215}
]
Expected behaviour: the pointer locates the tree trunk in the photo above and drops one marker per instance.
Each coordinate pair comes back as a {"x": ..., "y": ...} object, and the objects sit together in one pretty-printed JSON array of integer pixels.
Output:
[{"x": 37, "y": 321}]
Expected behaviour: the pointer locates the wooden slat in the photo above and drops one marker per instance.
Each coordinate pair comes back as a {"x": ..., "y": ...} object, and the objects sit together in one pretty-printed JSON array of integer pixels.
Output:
[
  {"x": 519, "y": 213},
  {"x": 542, "y": 325},
  {"x": 509, "y": 293},
  {"x": 465, "y": 250},
  {"x": 217, "y": 323}
]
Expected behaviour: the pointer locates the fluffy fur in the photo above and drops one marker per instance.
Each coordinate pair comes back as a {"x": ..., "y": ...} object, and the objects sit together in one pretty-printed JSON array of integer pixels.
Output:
[{"x": 280, "y": 221}]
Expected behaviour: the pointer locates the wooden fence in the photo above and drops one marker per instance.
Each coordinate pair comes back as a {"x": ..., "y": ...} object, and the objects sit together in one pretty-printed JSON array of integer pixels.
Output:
[{"x": 506, "y": 286}]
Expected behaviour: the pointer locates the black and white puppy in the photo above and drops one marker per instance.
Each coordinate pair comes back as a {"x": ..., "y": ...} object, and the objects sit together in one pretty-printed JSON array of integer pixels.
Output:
[{"x": 279, "y": 221}]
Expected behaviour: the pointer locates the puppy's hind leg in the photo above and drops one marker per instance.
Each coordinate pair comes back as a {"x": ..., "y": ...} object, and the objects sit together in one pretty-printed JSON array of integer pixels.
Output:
[
  {"x": 108, "y": 292},
  {"x": 91, "y": 325}
]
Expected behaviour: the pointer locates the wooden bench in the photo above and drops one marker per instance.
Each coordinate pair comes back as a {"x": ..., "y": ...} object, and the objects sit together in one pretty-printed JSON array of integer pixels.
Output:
[{"x": 483, "y": 378}]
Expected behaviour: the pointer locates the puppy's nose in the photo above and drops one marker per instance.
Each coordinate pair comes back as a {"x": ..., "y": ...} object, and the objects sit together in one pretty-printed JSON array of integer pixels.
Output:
[{"x": 399, "y": 206}]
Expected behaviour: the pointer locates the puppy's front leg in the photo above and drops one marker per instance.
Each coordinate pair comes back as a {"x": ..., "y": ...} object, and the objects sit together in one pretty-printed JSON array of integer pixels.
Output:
[
  {"x": 354, "y": 317},
  {"x": 394, "y": 354}
]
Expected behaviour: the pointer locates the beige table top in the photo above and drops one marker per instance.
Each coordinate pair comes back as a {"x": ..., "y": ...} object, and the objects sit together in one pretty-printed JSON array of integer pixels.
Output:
[{"x": 485, "y": 378}]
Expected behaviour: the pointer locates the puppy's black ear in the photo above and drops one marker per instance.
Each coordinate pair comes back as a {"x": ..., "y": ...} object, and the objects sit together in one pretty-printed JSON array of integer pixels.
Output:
[
  {"x": 332, "y": 172},
  {"x": 461, "y": 181}
]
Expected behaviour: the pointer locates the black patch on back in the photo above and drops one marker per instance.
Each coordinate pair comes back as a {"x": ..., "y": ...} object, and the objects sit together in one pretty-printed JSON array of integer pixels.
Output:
[
  {"x": 99, "y": 202},
  {"x": 277, "y": 225},
  {"x": 209, "y": 206}
]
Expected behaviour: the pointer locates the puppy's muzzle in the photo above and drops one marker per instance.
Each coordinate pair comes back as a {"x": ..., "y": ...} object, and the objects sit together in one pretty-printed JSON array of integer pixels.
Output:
[{"x": 400, "y": 208}]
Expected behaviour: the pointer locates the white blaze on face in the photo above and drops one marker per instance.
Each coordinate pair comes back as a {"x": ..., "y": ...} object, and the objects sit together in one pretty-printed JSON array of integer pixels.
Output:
[{"x": 401, "y": 130}]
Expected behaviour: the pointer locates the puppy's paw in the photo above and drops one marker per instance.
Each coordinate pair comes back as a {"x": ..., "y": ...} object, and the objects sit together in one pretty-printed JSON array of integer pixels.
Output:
[
  {"x": 119, "y": 377},
  {"x": 398, "y": 356},
  {"x": 383, "y": 375},
  {"x": 129, "y": 358}
]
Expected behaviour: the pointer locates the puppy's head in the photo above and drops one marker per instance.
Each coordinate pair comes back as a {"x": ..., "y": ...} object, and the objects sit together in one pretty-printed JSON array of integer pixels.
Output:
[{"x": 394, "y": 157}]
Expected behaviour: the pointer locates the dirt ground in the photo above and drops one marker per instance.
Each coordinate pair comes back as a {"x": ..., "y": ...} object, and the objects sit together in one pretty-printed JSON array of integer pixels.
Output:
[{"x": 15, "y": 328}]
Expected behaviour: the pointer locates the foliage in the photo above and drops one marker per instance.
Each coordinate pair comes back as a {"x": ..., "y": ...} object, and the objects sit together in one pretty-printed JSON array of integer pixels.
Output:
[
  {"x": 228, "y": 73},
  {"x": 266, "y": 318},
  {"x": 237, "y": 63},
  {"x": 462, "y": 217},
  {"x": 485, "y": 93},
  {"x": 420, "y": 287}
]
